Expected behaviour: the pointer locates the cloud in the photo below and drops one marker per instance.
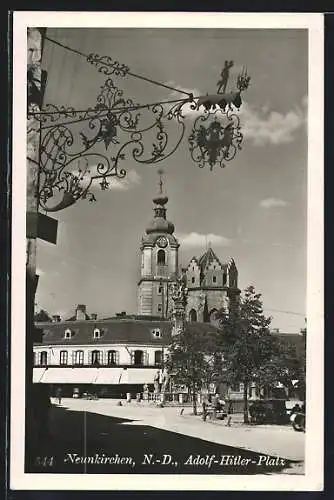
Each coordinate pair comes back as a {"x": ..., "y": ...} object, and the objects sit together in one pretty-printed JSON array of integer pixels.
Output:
[
  {"x": 131, "y": 179},
  {"x": 265, "y": 126},
  {"x": 272, "y": 203},
  {"x": 190, "y": 240}
]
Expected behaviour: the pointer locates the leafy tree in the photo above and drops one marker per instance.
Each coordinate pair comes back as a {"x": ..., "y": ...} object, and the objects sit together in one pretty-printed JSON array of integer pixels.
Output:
[
  {"x": 191, "y": 361},
  {"x": 250, "y": 349},
  {"x": 42, "y": 316}
]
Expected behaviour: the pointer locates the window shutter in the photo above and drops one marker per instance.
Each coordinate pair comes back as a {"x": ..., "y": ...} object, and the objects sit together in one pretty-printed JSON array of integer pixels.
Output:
[
  {"x": 145, "y": 356},
  {"x": 132, "y": 357},
  {"x": 117, "y": 357}
]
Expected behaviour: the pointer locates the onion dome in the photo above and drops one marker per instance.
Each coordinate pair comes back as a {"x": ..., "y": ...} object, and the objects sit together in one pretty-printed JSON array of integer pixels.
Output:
[{"x": 159, "y": 224}]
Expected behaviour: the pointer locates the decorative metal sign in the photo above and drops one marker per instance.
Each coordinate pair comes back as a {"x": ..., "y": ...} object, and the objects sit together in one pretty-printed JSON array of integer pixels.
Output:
[{"x": 216, "y": 135}]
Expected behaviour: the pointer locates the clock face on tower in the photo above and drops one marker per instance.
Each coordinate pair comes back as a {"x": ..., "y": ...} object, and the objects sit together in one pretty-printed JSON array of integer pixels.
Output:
[{"x": 162, "y": 242}]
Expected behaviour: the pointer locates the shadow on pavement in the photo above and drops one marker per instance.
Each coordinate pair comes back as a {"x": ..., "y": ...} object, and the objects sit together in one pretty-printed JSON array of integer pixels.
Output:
[{"x": 79, "y": 442}]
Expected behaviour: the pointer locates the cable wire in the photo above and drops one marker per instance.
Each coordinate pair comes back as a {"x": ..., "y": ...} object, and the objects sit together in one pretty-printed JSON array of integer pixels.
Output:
[{"x": 135, "y": 75}]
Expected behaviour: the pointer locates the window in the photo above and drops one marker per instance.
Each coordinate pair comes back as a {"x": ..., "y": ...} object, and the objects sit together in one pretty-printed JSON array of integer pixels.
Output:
[
  {"x": 96, "y": 357},
  {"x": 224, "y": 279},
  {"x": 68, "y": 333},
  {"x": 97, "y": 333},
  {"x": 159, "y": 308},
  {"x": 138, "y": 358},
  {"x": 212, "y": 314},
  {"x": 158, "y": 357},
  {"x": 35, "y": 359},
  {"x": 160, "y": 289},
  {"x": 192, "y": 315},
  {"x": 156, "y": 332},
  {"x": 193, "y": 279},
  {"x": 112, "y": 358},
  {"x": 78, "y": 357},
  {"x": 161, "y": 258},
  {"x": 44, "y": 358},
  {"x": 236, "y": 387},
  {"x": 214, "y": 279},
  {"x": 63, "y": 357}
]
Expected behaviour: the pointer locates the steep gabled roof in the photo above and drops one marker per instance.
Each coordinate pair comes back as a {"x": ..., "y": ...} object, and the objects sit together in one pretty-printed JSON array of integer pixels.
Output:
[{"x": 208, "y": 257}]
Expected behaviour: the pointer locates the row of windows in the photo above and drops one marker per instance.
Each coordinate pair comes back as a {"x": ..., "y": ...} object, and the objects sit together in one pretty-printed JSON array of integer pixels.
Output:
[
  {"x": 214, "y": 279},
  {"x": 97, "y": 333},
  {"x": 193, "y": 315},
  {"x": 96, "y": 358}
]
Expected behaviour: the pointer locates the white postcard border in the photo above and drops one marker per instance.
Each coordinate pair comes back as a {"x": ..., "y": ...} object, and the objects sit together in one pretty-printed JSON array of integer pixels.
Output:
[{"x": 313, "y": 478}]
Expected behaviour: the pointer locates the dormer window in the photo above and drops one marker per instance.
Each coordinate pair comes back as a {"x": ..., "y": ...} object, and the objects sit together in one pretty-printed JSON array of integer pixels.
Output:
[
  {"x": 156, "y": 332},
  {"x": 68, "y": 334},
  {"x": 97, "y": 333}
]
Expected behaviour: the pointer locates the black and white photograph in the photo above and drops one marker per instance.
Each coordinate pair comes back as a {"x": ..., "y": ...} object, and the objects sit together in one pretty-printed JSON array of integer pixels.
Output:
[{"x": 167, "y": 268}]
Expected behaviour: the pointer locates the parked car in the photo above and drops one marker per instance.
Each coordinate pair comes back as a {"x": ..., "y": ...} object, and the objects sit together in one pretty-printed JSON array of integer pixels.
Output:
[{"x": 268, "y": 411}]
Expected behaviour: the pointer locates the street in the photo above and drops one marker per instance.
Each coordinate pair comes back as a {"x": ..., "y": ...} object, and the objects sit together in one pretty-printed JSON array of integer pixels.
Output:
[{"x": 100, "y": 437}]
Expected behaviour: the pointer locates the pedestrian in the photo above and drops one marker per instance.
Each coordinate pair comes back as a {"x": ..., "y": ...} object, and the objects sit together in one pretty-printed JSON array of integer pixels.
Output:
[
  {"x": 204, "y": 414},
  {"x": 296, "y": 409},
  {"x": 230, "y": 408},
  {"x": 58, "y": 395}
]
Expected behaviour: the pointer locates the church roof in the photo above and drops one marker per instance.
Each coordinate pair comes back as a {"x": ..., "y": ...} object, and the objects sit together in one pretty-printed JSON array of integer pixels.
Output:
[{"x": 208, "y": 257}]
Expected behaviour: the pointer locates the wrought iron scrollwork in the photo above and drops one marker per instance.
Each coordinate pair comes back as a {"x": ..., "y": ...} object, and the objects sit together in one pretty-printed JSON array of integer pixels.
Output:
[
  {"x": 107, "y": 65},
  {"x": 68, "y": 165},
  {"x": 215, "y": 138}
]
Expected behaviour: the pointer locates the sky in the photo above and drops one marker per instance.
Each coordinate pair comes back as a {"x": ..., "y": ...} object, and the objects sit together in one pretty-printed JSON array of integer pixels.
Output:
[{"x": 254, "y": 210}]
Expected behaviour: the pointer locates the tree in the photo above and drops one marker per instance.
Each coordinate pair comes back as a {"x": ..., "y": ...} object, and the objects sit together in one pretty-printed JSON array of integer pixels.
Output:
[
  {"x": 190, "y": 361},
  {"x": 42, "y": 316},
  {"x": 250, "y": 350}
]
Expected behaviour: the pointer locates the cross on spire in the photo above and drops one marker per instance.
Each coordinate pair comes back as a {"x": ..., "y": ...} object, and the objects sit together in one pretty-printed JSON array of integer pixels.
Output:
[{"x": 160, "y": 172}]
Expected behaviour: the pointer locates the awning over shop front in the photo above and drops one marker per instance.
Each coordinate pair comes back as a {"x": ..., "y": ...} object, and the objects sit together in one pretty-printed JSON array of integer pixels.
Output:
[
  {"x": 108, "y": 376},
  {"x": 138, "y": 376},
  {"x": 66, "y": 375}
]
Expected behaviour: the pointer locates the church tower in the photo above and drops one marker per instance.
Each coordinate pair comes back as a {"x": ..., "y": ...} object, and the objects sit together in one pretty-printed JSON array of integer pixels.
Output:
[
  {"x": 159, "y": 262},
  {"x": 212, "y": 285}
]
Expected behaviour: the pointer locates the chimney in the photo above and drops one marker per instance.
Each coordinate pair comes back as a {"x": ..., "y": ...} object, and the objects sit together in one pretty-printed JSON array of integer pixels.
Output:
[
  {"x": 93, "y": 316},
  {"x": 80, "y": 312},
  {"x": 56, "y": 318}
]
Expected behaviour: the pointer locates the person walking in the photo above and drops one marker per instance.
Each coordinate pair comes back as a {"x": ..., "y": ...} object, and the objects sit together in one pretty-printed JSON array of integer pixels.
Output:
[{"x": 59, "y": 395}]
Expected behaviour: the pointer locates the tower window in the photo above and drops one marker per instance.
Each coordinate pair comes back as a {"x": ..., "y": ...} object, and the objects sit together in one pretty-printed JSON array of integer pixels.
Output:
[
  {"x": 214, "y": 279},
  {"x": 161, "y": 258},
  {"x": 193, "y": 279}
]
